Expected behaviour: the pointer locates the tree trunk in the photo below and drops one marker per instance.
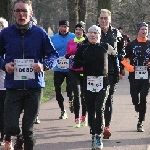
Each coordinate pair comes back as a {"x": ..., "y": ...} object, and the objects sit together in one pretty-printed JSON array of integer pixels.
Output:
[
  {"x": 73, "y": 13},
  {"x": 104, "y": 4},
  {"x": 82, "y": 10},
  {"x": 4, "y": 9}
]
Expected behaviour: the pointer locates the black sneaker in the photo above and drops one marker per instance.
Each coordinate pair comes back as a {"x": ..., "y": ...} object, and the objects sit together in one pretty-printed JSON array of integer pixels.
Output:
[
  {"x": 137, "y": 107},
  {"x": 140, "y": 127},
  {"x": 63, "y": 115},
  {"x": 18, "y": 145},
  {"x": 1, "y": 142}
]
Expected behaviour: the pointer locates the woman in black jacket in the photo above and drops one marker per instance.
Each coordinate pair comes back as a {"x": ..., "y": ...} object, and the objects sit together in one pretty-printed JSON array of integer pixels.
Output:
[{"x": 93, "y": 56}]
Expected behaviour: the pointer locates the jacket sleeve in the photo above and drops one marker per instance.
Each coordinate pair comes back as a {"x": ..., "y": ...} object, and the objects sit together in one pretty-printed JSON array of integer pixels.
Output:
[
  {"x": 51, "y": 55},
  {"x": 116, "y": 69},
  {"x": 120, "y": 46},
  {"x": 68, "y": 51},
  {"x": 128, "y": 50},
  {"x": 2, "y": 52},
  {"x": 78, "y": 60}
]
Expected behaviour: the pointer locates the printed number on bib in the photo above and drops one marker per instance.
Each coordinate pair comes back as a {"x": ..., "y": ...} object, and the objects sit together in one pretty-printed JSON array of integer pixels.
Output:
[
  {"x": 94, "y": 83},
  {"x": 63, "y": 63},
  {"x": 23, "y": 69},
  {"x": 141, "y": 72}
]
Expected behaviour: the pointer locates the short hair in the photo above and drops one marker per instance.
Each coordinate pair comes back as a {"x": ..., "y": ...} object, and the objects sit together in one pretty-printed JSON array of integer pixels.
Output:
[
  {"x": 24, "y": 1},
  {"x": 106, "y": 11},
  {"x": 4, "y": 22},
  {"x": 95, "y": 27}
]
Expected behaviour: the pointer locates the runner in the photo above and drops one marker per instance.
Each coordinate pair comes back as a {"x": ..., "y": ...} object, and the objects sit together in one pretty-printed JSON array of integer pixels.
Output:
[
  {"x": 138, "y": 52},
  {"x": 76, "y": 76}
]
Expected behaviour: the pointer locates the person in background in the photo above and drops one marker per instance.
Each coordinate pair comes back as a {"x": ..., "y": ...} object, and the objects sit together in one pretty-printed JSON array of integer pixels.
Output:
[
  {"x": 76, "y": 75},
  {"x": 138, "y": 52},
  {"x": 3, "y": 24},
  {"x": 93, "y": 57},
  {"x": 28, "y": 52},
  {"x": 126, "y": 40},
  {"x": 125, "y": 36},
  {"x": 61, "y": 71},
  {"x": 33, "y": 20},
  {"x": 113, "y": 37}
]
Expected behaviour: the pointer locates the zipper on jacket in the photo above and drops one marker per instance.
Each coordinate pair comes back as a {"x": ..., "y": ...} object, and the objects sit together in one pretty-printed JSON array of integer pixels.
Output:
[{"x": 23, "y": 56}]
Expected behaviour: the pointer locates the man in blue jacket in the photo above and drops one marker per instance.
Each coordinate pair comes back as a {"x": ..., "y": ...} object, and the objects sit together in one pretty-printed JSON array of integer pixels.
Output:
[
  {"x": 28, "y": 53},
  {"x": 60, "y": 41}
]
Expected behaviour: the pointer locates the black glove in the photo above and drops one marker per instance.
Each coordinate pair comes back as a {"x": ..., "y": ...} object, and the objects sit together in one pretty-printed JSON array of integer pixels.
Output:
[{"x": 67, "y": 56}]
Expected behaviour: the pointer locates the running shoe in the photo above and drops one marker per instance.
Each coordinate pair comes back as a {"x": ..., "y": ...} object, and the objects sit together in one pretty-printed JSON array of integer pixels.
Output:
[
  {"x": 8, "y": 145},
  {"x": 140, "y": 127},
  {"x": 99, "y": 143},
  {"x": 37, "y": 121},
  {"x": 18, "y": 145},
  {"x": 106, "y": 133},
  {"x": 1, "y": 142},
  {"x": 83, "y": 121},
  {"x": 77, "y": 123},
  {"x": 63, "y": 115}
]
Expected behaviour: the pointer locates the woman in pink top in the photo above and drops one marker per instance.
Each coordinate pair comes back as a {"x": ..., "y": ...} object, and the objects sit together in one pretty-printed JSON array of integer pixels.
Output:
[{"x": 76, "y": 76}]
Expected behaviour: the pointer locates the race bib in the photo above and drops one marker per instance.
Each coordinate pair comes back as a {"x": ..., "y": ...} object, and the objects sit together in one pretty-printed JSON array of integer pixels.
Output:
[
  {"x": 141, "y": 72},
  {"x": 63, "y": 63},
  {"x": 23, "y": 69},
  {"x": 94, "y": 83}
]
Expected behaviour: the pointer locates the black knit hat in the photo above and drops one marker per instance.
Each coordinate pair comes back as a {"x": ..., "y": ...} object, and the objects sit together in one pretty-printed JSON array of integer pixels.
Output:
[
  {"x": 64, "y": 22},
  {"x": 80, "y": 25},
  {"x": 141, "y": 24}
]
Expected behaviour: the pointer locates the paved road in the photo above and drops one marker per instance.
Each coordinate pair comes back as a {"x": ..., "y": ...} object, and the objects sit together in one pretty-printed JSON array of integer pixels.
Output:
[{"x": 55, "y": 134}]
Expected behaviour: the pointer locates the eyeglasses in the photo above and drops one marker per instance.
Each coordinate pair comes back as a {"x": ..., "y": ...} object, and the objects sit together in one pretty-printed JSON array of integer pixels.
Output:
[
  {"x": 25, "y": 11},
  {"x": 95, "y": 33}
]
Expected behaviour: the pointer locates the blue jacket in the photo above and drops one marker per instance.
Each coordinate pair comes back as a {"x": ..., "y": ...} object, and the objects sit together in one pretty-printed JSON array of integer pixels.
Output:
[
  {"x": 60, "y": 43},
  {"x": 35, "y": 44}
]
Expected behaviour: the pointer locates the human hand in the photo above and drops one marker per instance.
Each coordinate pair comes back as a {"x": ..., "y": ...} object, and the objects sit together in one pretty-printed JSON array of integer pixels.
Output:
[
  {"x": 10, "y": 67},
  {"x": 38, "y": 67}
]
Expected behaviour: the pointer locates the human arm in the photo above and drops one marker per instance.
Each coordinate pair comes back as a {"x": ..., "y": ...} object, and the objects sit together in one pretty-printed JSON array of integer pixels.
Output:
[
  {"x": 128, "y": 50},
  {"x": 50, "y": 55},
  {"x": 78, "y": 61}
]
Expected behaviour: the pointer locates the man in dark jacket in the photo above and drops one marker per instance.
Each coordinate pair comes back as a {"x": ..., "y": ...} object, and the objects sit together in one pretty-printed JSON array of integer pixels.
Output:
[
  {"x": 28, "y": 52},
  {"x": 112, "y": 36}
]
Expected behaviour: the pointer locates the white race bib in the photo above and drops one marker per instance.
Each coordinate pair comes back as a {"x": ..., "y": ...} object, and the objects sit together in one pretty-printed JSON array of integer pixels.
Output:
[
  {"x": 141, "y": 72},
  {"x": 94, "y": 83},
  {"x": 23, "y": 69},
  {"x": 63, "y": 63}
]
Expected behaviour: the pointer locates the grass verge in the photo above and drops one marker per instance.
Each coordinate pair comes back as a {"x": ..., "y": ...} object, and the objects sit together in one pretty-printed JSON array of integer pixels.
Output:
[{"x": 49, "y": 90}]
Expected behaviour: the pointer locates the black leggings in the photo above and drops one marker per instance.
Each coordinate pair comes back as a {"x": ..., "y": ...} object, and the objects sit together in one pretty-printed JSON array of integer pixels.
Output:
[
  {"x": 59, "y": 78},
  {"x": 139, "y": 86},
  {"x": 95, "y": 102},
  {"x": 77, "y": 87}
]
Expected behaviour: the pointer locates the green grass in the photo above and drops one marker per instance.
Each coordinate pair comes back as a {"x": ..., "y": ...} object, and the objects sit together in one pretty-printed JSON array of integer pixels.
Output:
[{"x": 49, "y": 90}]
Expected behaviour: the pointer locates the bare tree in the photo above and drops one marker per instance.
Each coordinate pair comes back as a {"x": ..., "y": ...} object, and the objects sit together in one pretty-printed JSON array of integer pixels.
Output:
[
  {"x": 104, "y": 4},
  {"x": 4, "y": 9},
  {"x": 73, "y": 13}
]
